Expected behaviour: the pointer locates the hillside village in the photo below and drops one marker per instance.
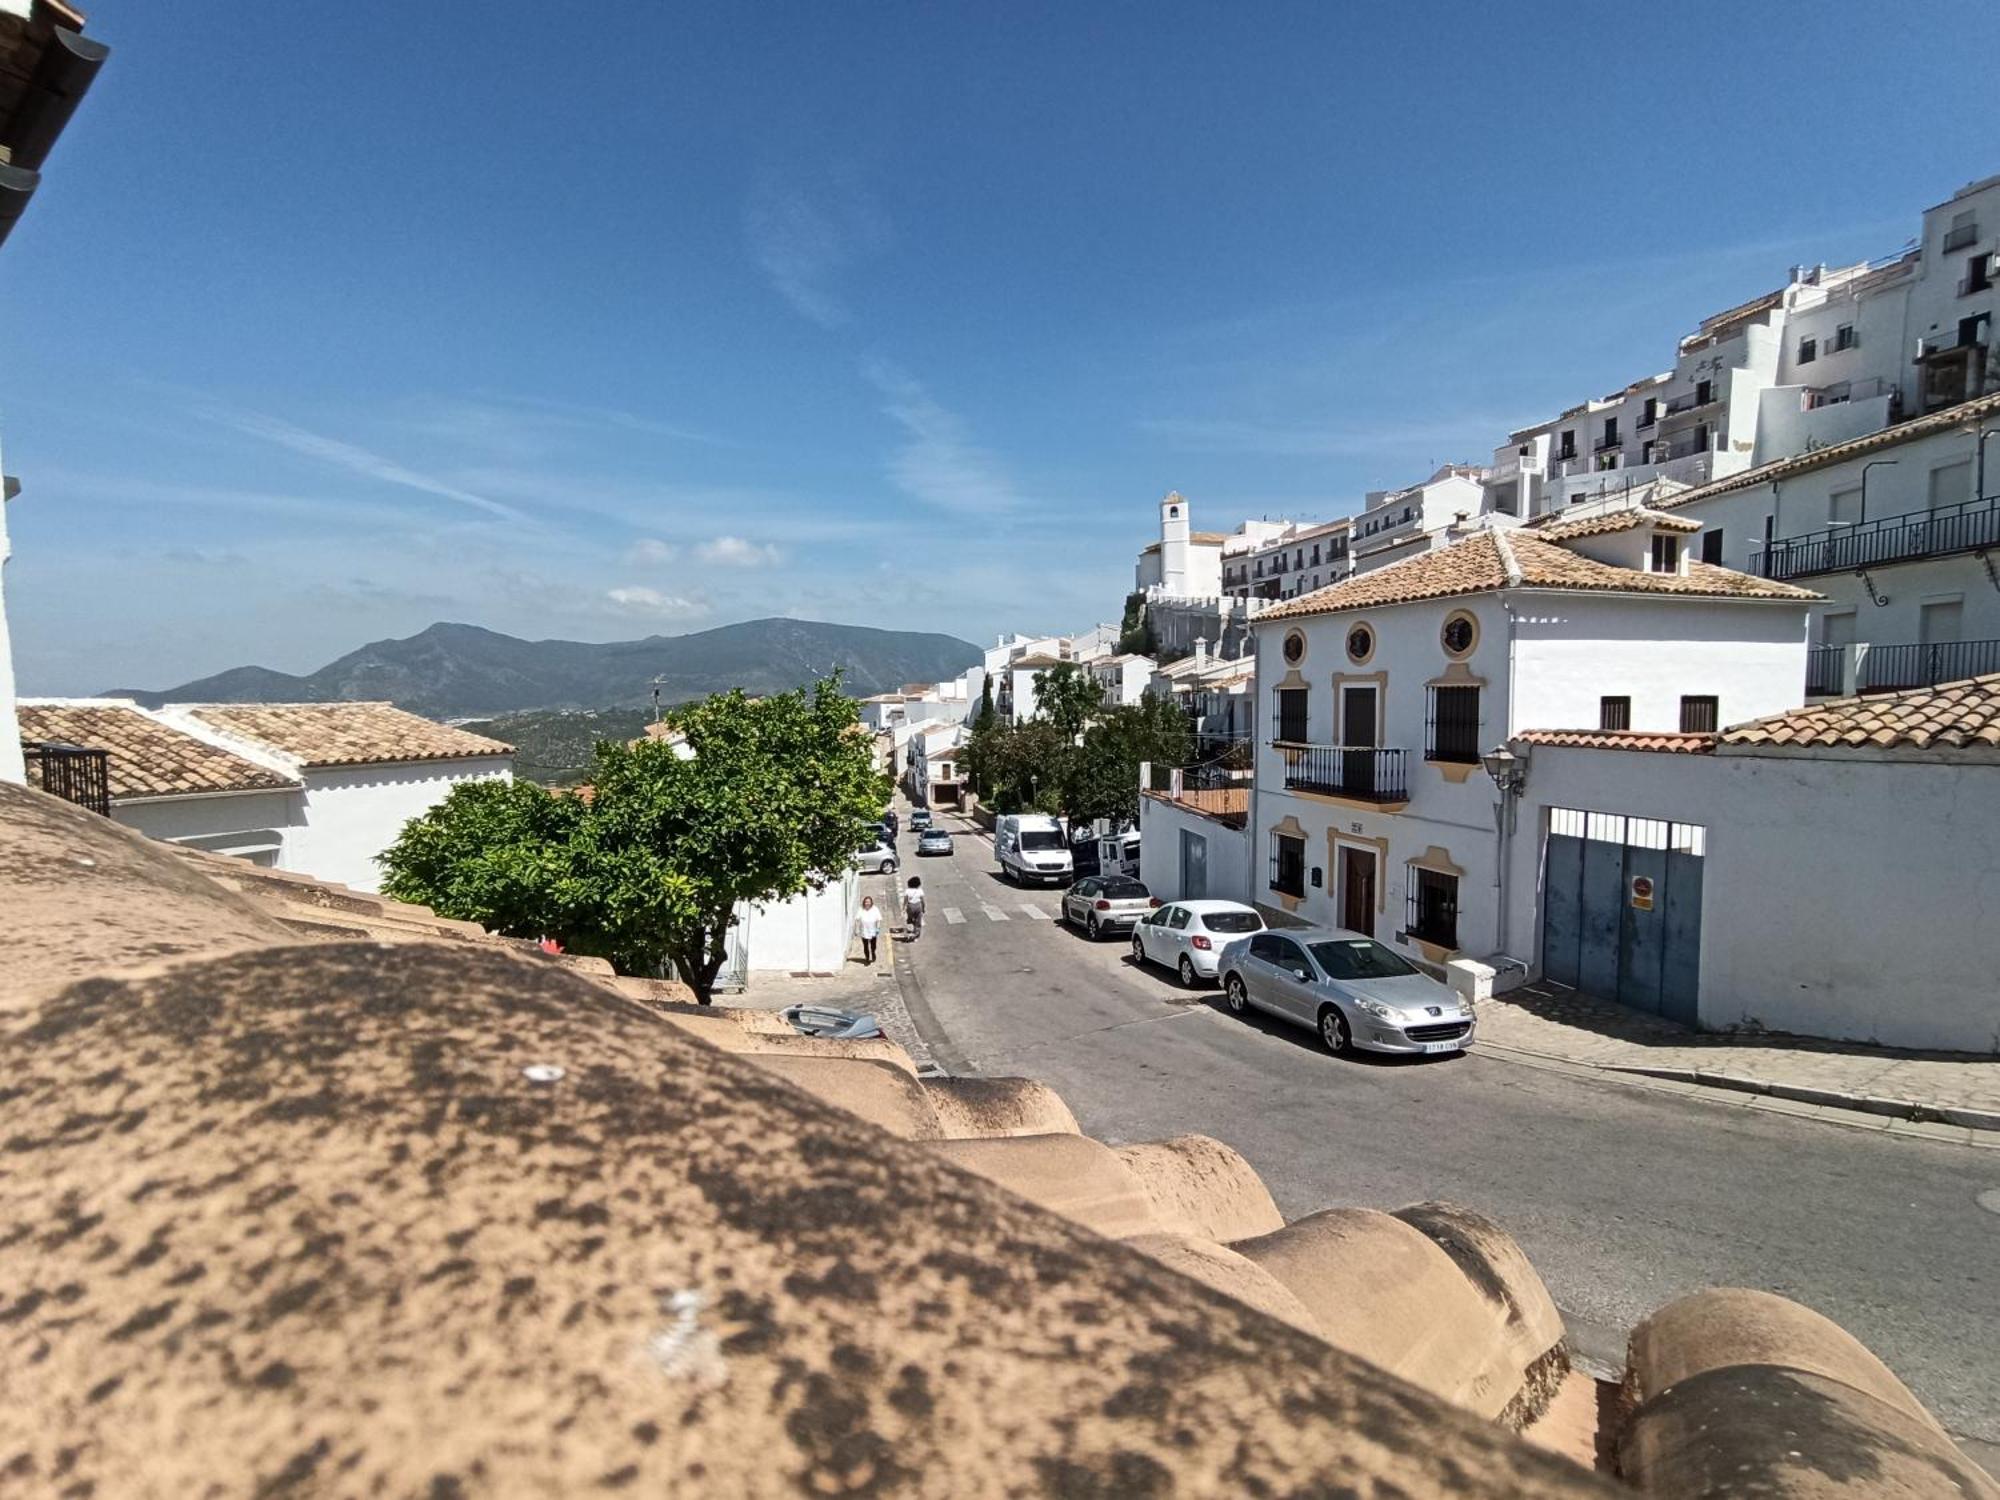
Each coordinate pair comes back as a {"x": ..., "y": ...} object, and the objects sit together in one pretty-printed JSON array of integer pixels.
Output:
[{"x": 1613, "y": 820}]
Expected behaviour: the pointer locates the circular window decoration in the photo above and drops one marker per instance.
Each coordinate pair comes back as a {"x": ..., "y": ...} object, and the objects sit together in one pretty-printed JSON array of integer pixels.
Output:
[
  {"x": 1295, "y": 647},
  {"x": 1360, "y": 643},
  {"x": 1460, "y": 634}
]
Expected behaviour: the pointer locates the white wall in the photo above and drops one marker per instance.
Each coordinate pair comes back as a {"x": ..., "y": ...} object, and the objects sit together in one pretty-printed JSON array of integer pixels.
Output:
[
  {"x": 12, "y": 767},
  {"x": 239, "y": 823},
  {"x": 1842, "y": 897},
  {"x": 1161, "y": 825},
  {"x": 353, "y": 813},
  {"x": 807, "y": 934}
]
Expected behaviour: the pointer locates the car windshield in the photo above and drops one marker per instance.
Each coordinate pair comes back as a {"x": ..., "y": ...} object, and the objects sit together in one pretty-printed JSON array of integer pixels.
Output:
[
  {"x": 1041, "y": 838},
  {"x": 1124, "y": 890},
  {"x": 1232, "y": 921},
  {"x": 1360, "y": 958},
  {"x": 935, "y": 835}
]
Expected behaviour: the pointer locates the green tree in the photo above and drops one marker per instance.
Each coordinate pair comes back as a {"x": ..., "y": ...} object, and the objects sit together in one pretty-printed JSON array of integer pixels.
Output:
[
  {"x": 1068, "y": 696},
  {"x": 1102, "y": 779},
  {"x": 761, "y": 802},
  {"x": 987, "y": 716},
  {"x": 1135, "y": 631}
]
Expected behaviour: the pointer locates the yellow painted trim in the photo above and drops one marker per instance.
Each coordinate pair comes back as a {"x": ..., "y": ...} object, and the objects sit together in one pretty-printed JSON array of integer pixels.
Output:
[
  {"x": 1459, "y": 614},
  {"x": 1374, "y": 640},
  {"x": 1378, "y": 847},
  {"x": 1378, "y": 681},
  {"x": 1456, "y": 674},
  {"x": 1437, "y": 858},
  {"x": 1453, "y": 770},
  {"x": 1325, "y": 799}
]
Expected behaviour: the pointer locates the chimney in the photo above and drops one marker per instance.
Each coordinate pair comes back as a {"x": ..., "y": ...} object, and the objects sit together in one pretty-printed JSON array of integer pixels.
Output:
[{"x": 1201, "y": 650}]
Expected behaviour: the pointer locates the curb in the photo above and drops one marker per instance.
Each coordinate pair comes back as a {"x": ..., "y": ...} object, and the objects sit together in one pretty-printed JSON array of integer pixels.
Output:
[{"x": 1857, "y": 1112}]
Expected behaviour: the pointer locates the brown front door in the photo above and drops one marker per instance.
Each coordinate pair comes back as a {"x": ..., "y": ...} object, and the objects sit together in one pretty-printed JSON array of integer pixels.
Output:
[{"x": 1357, "y": 890}]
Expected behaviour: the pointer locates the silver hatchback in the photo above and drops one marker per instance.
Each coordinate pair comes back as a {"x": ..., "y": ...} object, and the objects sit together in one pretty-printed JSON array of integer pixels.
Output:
[{"x": 1353, "y": 991}]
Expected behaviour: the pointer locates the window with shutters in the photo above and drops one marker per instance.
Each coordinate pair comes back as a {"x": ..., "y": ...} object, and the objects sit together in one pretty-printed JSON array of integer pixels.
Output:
[
  {"x": 1288, "y": 864},
  {"x": 1711, "y": 545},
  {"x": 1292, "y": 705},
  {"x": 1432, "y": 909},
  {"x": 1666, "y": 553},
  {"x": 1614, "y": 713},
  {"x": 1452, "y": 726},
  {"x": 1699, "y": 714}
]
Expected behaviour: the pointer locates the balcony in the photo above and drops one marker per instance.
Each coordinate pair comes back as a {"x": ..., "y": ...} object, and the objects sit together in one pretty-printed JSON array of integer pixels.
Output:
[
  {"x": 1959, "y": 238},
  {"x": 1964, "y": 527},
  {"x": 71, "y": 772},
  {"x": 1887, "y": 669},
  {"x": 1362, "y": 773},
  {"x": 1680, "y": 406},
  {"x": 1606, "y": 443}
]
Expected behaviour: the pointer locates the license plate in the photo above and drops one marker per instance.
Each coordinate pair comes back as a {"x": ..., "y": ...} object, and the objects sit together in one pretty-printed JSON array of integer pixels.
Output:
[{"x": 1442, "y": 1046}]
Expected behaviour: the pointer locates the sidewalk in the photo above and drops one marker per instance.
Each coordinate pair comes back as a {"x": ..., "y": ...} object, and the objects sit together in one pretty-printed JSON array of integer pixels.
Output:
[
  {"x": 856, "y": 987},
  {"x": 1947, "y": 1095}
]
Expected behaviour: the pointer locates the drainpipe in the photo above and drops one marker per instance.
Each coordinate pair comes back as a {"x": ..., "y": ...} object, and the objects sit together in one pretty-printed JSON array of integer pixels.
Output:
[{"x": 1503, "y": 810}]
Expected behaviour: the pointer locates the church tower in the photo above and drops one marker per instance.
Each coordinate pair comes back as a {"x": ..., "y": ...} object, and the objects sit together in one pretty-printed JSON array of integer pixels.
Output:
[{"x": 1174, "y": 545}]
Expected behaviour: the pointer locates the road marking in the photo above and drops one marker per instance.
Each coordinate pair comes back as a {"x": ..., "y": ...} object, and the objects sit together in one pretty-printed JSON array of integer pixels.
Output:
[
  {"x": 953, "y": 915},
  {"x": 994, "y": 914},
  {"x": 1036, "y": 912}
]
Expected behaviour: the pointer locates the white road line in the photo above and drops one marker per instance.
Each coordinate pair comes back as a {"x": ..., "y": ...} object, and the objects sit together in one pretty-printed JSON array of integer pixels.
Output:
[
  {"x": 953, "y": 915},
  {"x": 1036, "y": 912},
  {"x": 994, "y": 914}
]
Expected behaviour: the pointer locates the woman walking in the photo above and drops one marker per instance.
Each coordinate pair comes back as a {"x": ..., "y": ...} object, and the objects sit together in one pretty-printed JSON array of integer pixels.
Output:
[
  {"x": 913, "y": 907},
  {"x": 869, "y": 925}
]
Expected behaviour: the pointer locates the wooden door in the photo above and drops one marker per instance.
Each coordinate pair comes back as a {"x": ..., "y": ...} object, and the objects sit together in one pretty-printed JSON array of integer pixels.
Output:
[{"x": 1357, "y": 890}]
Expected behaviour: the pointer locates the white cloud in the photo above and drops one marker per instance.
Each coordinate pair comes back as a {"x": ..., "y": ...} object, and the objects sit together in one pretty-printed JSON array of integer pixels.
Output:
[
  {"x": 801, "y": 245},
  {"x": 735, "y": 552},
  {"x": 348, "y": 456},
  {"x": 940, "y": 464},
  {"x": 636, "y": 599},
  {"x": 649, "y": 549}
]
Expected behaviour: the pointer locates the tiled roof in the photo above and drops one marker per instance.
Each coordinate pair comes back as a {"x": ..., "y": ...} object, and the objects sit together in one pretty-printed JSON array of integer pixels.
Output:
[
  {"x": 1952, "y": 716},
  {"x": 1607, "y": 522},
  {"x": 1619, "y": 739},
  {"x": 1820, "y": 458},
  {"x": 1208, "y": 538},
  {"x": 1490, "y": 561},
  {"x": 1036, "y": 662},
  {"x": 144, "y": 757},
  {"x": 345, "y": 734}
]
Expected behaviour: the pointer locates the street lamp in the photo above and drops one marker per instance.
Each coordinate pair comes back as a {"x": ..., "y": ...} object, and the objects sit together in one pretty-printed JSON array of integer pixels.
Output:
[
  {"x": 1873, "y": 463},
  {"x": 1508, "y": 770}
]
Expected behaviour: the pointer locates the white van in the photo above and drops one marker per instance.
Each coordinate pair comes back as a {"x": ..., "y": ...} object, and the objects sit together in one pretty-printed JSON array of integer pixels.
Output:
[{"x": 1031, "y": 847}]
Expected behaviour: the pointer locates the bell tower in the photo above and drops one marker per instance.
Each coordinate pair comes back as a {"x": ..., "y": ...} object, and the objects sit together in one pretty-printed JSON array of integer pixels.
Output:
[{"x": 1174, "y": 532}]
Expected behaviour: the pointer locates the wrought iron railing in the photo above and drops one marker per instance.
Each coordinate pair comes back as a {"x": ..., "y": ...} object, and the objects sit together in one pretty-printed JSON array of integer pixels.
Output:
[
  {"x": 1963, "y": 527},
  {"x": 1823, "y": 671},
  {"x": 74, "y": 773},
  {"x": 1362, "y": 772},
  {"x": 1883, "y": 668}
]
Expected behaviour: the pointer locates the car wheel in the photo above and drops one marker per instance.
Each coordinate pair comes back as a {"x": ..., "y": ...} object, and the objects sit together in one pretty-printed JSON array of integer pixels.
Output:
[
  {"x": 1238, "y": 1001},
  {"x": 1092, "y": 928},
  {"x": 1188, "y": 975},
  {"x": 1138, "y": 950},
  {"x": 1333, "y": 1030},
  {"x": 888, "y": 867}
]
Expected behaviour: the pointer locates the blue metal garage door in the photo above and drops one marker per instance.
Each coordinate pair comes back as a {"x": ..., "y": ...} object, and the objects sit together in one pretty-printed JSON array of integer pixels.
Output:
[{"x": 1621, "y": 909}]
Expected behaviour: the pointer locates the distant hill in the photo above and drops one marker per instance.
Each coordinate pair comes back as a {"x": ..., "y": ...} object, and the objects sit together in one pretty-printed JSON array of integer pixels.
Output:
[
  {"x": 462, "y": 671},
  {"x": 553, "y": 746}
]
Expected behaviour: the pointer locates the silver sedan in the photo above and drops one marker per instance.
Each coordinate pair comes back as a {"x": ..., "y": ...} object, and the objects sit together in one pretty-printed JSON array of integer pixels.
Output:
[{"x": 1353, "y": 991}]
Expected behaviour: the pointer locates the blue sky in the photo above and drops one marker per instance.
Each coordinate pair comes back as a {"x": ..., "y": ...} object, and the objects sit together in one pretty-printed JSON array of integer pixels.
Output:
[{"x": 332, "y": 321}]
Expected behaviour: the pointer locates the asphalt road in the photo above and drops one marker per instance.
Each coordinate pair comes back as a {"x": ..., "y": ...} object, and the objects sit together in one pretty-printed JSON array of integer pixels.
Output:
[{"x": 1624, "y": 1198}]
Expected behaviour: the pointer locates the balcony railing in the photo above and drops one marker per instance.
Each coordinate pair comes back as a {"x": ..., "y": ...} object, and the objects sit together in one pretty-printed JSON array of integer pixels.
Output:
[
  {"x": 1886, "y": 669},
  {"x": 1363, "y": 773},
  {"x": 1964, "y": 527},
  {"x": 73, "y": 773},
  {"x": 1959, "y": 238},
  {"x": 1692, "y": 401}
]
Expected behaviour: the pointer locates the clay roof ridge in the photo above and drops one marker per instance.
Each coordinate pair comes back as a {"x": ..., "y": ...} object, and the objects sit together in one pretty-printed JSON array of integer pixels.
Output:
[{"x": 1508, "y": 560}]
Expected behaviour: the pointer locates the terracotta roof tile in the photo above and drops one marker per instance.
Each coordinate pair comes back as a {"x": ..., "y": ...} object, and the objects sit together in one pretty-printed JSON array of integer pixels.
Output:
[
  {"x": 345, "y": 734},
  {"x": 1607, "y": 522},
  {"x": 1820, "y": 458},
  {"x": 1952, "y": 716},
  {"x": 145, "y": 757},
  {"x": 1619, "y": 739},
  {"x": 1490, "y": 560}
]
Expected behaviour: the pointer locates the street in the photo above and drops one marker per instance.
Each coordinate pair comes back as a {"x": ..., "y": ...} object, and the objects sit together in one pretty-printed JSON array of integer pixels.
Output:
[{"x": 1624, "y": 1199}]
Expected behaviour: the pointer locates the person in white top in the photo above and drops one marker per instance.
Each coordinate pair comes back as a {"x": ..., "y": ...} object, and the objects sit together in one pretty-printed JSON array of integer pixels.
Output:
[
  {"x": 869, "y": 925},
  {"x": 913, "y": 907}
]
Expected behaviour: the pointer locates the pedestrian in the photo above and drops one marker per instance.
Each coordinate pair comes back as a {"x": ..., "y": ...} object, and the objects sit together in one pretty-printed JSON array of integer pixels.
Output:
[
  {"x": 913, "y": 907},
  {"x": 895, "y": 824},
  {"x": 869, "y": 925}
]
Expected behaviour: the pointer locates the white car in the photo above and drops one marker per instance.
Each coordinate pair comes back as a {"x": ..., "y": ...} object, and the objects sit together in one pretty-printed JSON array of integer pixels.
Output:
[{"x": 1189, "y": 936}]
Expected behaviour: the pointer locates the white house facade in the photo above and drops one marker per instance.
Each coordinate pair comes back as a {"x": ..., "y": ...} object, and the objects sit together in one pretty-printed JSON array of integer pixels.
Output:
[
  {"x": 1832, "y": 871},
  {"x": 1379, "y": 696}
]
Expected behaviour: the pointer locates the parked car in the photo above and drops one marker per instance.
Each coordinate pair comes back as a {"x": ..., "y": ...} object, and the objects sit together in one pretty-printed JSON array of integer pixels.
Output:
[
  {"x": 1031, "y": 847},
  {"x": 920, "y": 819},
  {"x": 1190, "y": 937},
  {"x": 934, "y": 841},
  {"x": 878, "y": 857},
  {"x": 1352, "y": 990},
  {"x": 829, "y": 1021},
  {"x": 1106, "y": 903},
  {"x": 1087, "y": 854}
]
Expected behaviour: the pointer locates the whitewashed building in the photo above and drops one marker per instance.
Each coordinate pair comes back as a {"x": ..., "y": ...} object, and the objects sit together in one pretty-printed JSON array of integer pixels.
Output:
[
  {"x": 1124, "y": 678},
  {"x": 1831, "y": 871},
  {"x": 318, "y": 788},
  {"x": 1379, "y": 695}
]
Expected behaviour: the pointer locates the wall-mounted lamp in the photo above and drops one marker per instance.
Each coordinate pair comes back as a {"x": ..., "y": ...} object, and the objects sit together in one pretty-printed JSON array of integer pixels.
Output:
[{"x": 1508, "y": 770}]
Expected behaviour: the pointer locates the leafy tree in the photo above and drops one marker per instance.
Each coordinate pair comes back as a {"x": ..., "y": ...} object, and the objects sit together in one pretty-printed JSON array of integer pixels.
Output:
[
  {"x": 987, "y": 716},
  {"x": 1135, "y": 631},
  {"x": 1102, "y": 777},
  {"x": 1068, "y": 696},
  {"x": 761, "y": 802}
]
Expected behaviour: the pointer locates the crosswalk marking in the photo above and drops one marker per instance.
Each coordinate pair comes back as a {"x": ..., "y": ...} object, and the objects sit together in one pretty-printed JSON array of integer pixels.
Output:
[
  {"x": 953, "y": 915},
  {"x": 1036, "y": 912},
  {"x": 994, "y": 914}
]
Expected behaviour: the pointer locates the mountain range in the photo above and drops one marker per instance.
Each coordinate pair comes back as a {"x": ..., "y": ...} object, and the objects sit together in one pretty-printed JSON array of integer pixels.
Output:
[{"x": 464, "y": 671}]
